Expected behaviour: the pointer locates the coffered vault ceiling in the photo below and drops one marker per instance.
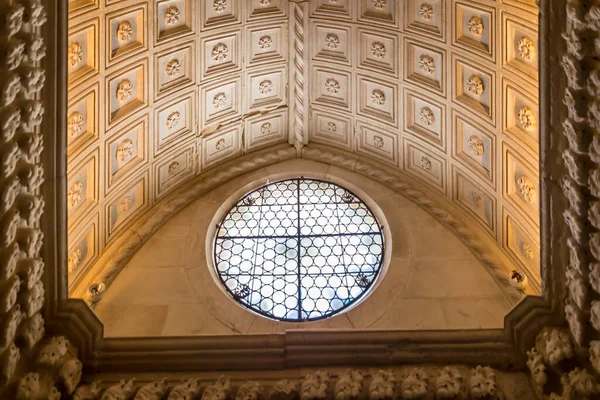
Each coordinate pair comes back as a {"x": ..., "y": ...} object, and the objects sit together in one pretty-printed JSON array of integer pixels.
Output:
[{"x": 162, "y": 91}]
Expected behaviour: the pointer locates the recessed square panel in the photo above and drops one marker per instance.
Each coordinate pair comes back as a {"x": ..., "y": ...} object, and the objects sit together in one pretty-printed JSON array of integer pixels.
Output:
[
  {"x": 82, "y": 54},
  {"x": 266, "y": 130},
  {"x": 126, "y": 33},
  {"x": 174, "y": 69},
  {"x": 378, "y": 99},
  {"x": 475, "y": 28},
  {"x": 521, "y": 183},
  {"x": 520, "y": 41},
  {"x": 266, "y": 89},
  {"x": 426, "y": 18},
  {"x": 220, "y": 53},
  {"x": 174, "y": 168},
  {"x": 220, "y": 101},
  {"x": 474, "y": 146},
  {"x": 83, "y": 120},
  {"x": 174, "y": 19},
  {"x": 84, "y": 248},
  {"x": 378, "y": 51},
  {"x": 519, "y": 241},
  {"x": 266, "y": 44},
  {"x": 475, "y": 199},
  {"x": 174, "y": 121},
  {"x": 425, "y": 66},
  {"x": 127, "y": 91},
  {"x": 261, "y": 9},
  {"x": 220, "y": 13},
  {"x": 125, "y": 205},
  {"x": 83, "y": 189},
  {"x": 221, "y": 145},
  {"x": 474, "y": 88},
  {"x": 332, "y": 43},
  {"x": 331, "y": 129},
  {"x": 125, "y": 151},
  {"x": 77, "y": 7},
  {"x": 332, "y": 88},
  {"x": 377, "y": 143},
  {"x": 520, "y": 113},
  {"x": 425, "y": 164},
  {"x": 425, "y": 118},
  {"x": 343, "y": 9},
  {"x": 379, "y": 12}
]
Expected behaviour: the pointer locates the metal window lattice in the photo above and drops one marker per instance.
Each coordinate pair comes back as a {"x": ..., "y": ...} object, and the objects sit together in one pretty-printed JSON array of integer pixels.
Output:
[{"x": 299, "y": 250}]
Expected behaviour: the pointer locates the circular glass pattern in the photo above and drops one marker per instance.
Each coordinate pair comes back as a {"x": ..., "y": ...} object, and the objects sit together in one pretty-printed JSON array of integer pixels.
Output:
[{"x": 299, "y": 250}]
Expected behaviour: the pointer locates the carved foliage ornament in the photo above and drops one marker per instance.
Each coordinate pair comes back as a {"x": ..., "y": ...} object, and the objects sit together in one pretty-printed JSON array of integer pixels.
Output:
[
  {"x": 476, "y": 146},
  {"x": 75, "y": 54},
  {"x": 124, "y": 90},
  {"x": 266, "y": 128},
  {"x": 426, "y": 64},
  {"x": 265, "y": 42},
  {"x": 378, "y": 97},
  {"x": 426, "y": 12},
  {"x": 332, "y": 86},
  {"x": 332, "y": 41},
  {"x": 220, "y": 52},
  {"x": 125, "y": 204},
  {"x": 527, "y": 118},
  {"x": 265, "y": 87},
  {"x": 475, "y": 85},
  {"x": 378, "y": 50},
  {"x": 219, "y": 5},
  {"x": 173, "y": 120},
  {"x": 378, "y": 141},
  {"x": 75, "y": 194},
  {"x": 220, "y": 145},
  {"x": 173, "y": 68},
  {"x": 172, "y": 169},
  {"x": 125, "y": 31},
  {"x": 172, "y": 15},
  {"x": 124, "y": 151},
  {"x": 526, "y": 48},
  {"x": 426, "y": 163},
  {"x": 475, "y": 25},
  {"x": 379, "y": 4},
  {"x": 331, "y": 126},
  {"x": 526, "y": 188},
  {"x": 220, "y": 100},
  {"x": 426, "y": 116},
  {"x": 75, "y": 124}
]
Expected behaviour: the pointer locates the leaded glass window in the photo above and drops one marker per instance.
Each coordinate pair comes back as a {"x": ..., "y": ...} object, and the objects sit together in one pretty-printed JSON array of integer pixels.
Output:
[{"x": 299, "y": 250}]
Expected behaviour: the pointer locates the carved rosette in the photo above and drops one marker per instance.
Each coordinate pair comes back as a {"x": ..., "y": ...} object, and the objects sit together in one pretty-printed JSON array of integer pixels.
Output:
[
  {"x": 378, "y": 141},
  {"x": 75, "y": 124},
  {"x": 426, "y": 12},
  {"x": 379, "y": 4},
  {"x": 220, "y": 100},
  {"x": 75, "y": 54},
  {"x": 220, "y": 145},
  {"x": 75, "y": 195},
  {"x": 475, "y": 25},
  {"x": 426, "y": 163},
  {"x": 266, "y": 128},
  {"x": 172, "y": 15},
  {"x": 124, "y": 151},
  {"x": 173, "y": 68},
  {"x": 124, "y": 90},
  {"x": 426, "y": 64},
  {"x": 476, "y": 146},
  {"x": 125, "y": 204},
  {"x": 331, "y": 127},
  {"x": 220, "y": 51},
  {"x": 219, "y": 5},
  {"x": 265, "y": 87},
  {"x": 172, "y": 120},
  {"x": 378, "y": 50},
  {"x": 426, "y": 116},
  {"x": 265, "y": 42},
  {"x": 475, "y": 85},
  {"x": 378, "y": 97},
  {"x": 332, "y": 41},
  {"x": 526, "y": 49},
  {"x": 125, "y": 31},
  {"x": 526, "y": 188},
  {"x": 332, "y": 86},
  {"x": 172, "y": 168},
  {"x": 527, "y": 118}
]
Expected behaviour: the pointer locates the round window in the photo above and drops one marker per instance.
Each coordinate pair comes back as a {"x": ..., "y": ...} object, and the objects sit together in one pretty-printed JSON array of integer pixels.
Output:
[{"x": 299, "y": 250}]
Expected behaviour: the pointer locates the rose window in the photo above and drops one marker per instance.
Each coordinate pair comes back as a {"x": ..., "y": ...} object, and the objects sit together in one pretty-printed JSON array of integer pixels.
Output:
[{"x": 299, "y": 250}]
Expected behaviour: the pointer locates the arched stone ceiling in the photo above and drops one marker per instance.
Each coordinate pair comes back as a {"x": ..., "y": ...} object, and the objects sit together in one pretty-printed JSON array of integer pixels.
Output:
[{"x": 165, "y": 92}]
